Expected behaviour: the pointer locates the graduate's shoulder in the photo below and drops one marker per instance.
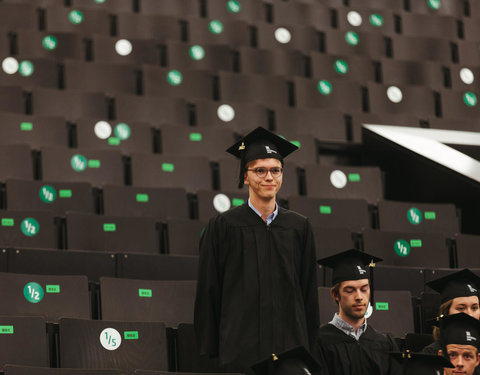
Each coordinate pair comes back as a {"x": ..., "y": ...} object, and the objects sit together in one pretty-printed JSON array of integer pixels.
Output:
[
  {"x": 292, "y": 219},
  {"x": 237, "y": 216}
]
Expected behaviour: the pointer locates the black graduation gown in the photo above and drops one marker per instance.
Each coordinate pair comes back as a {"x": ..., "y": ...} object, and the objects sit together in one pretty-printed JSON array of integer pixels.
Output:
[
  {"x": 257, "y": 286},
  {"x": 434, "y": 347},
  {"x": 344, "y": 355}
]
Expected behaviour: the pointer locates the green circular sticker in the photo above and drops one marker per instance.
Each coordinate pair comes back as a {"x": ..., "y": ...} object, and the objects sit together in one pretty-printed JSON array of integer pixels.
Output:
[
  {"x": 30, "y": 227},
  {"x": 352, "y": 38},
  {"x": 33, "y": 292},
  {"x": 174, "y": 77},
  {"x": 402, "y": 248},
  {"x": 26, "y": 68},
  {"x": 434, "y": 4},
  {"x": 122, "y": 131},
  {"x": 470, "y": 99},
  {"x": 234, "y": 6},
  {"x": 196, "y": 52},
  {"x": 49, "y": 42},
  {"x": 78, "y": 163},
  {"x": 324, "y": 87},
  {"x": 414, "y": 216},
  {"x": 376, "y": 20},
  {"x": 215, "y": 27},
  {"x": 341, "y": 66},
  {"x": 75, "y": 17},
  {"x": 47, "y": 194}
]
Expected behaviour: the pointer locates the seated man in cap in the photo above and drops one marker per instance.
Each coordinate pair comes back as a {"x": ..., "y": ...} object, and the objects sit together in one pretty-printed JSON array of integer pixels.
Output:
[
  {"x": 460, "y": 342},
  {"x": 257, "y": 286},
  {"x": 347, "y": 344}
]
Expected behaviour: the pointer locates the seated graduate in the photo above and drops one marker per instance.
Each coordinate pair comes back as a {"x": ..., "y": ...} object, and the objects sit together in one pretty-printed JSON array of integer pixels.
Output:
[
  {"x": 421, "y": 363},
  {"x": 347, "y": 344},
  {"x": 460, "y": 343},
  {"x": 458, "y": 293}
]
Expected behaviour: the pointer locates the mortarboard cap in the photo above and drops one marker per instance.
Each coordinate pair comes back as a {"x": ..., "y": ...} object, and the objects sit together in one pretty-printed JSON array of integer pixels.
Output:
[
  {"x": 260, "y": 144},
  {"x": 296, "y": 361},
  {"x": 349, "y": 265},
  {"x": 459, "y": 329},
  {"x": 463, "y": 283},
  {"x": 421, "y": 363}
]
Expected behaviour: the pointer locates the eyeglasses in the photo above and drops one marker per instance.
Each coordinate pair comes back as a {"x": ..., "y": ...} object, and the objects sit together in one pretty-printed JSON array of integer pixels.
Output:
[{"x": 262, "y": 172}]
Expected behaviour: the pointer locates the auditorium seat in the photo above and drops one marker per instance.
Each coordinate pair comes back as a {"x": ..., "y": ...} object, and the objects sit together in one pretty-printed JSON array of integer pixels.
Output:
[
  {"x": 246, "y": 10},
  {"x": 344, "y": 182},
  {"x": 418, "y": 217},
  {"x": 375, "y": 20},
  {"x": 52, "y": 297},
  {"x": 463, "y": 77},
  {"x": 399, "y": 278},
  {"x": 467, "y": 249},
  {"x": 31, "y": 72},
  {"x": 81, "y": 21},
  {"x": 110, "y": 6},
  {"x": 122, "y": 345},
  {"x": 396, "y": 5},
  {"x": 97, "y": 167},
  {"x": 16, "y": 162},
  {"x": 128, "y": 300},
  {"x": 449, "y": 7},
  {"x": 211, "y": 203},
  {"x": 32, "y": 370},
  {"x": 158, "y": 203},
  {"x": 183, "y": 236},
  {"x": 457, "y": 104},
  {"x": 174, "y": 171},
  {"x": 316, "y": 14},
  {"x": 433, "y": 26},
  {"x": 207, "y": 31},
  {"x": 348, "y": 42},
  {"x": 408, "y": 249},
  {"x": 468, "y": 52},
  {"x": 420, "y": 48},
  {"x": 14, "y": 16},
  {"x": 111, "y": 233},
  {"x": 330, "y": 241},
  {"x": 148, "y": 26},
  {"x": 56, "y": 197},
  {"x": 170, "y": 7},
  {"x": 12, "y": 99}
]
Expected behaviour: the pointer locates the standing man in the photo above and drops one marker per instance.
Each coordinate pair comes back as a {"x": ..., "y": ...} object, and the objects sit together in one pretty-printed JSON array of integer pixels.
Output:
[
  {"x": 347, "y": 344},
  {"x": 257, "y": 285}
]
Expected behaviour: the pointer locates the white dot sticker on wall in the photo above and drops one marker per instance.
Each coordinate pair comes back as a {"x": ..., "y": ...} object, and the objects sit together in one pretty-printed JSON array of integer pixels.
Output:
[
  {"x": 394, "y": 94},
  {"x": 369, "y": 311},
  {"x": 10, "y": 65},
  {"x": 282, "y": 35},
  {"x": 466, "y": 75},
  {"x": 338, "y": 179},
  {"x": 221, "y": 202},
  {"x": 354, "y": 18},
  {"x": 226, "y": 113},
  {"x": 110, "y": 339},
  {"x": 123, "y": 47},
  {"x": 103, "y": 129}
]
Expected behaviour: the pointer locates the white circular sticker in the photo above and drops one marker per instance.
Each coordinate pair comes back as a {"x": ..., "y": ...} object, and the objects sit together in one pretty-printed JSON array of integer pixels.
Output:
[
  {"x": 103, "y": 129},
  {"x": 110, "y": 339},
  {"x": 123, "y": 47},
  {"x": 338, "y": 179},
  {"x": 466, "y": 75},
  {"x": 226, "y": 113},
  {"x": 354, "y": 18},
  {"x": 10, "y": 65},
  {"x": 221, "y": 203},
  {"x": 282, "y": 35},
  {"x": 369, "y": 311},
  {"x": 394, "y": 94}
]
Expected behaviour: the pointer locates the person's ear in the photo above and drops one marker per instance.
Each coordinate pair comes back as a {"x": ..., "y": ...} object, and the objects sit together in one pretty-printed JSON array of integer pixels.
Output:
[
  {"x": 478, "y": 359},
  {"x": 335, "y": 296}
]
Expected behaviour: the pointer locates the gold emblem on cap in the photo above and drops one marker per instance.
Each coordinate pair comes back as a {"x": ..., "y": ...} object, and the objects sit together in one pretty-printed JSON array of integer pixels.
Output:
[
  {"x": 242, "y": 146},
  {"x": 274, "y": 357},
  {"x": 372, "y": 264}
]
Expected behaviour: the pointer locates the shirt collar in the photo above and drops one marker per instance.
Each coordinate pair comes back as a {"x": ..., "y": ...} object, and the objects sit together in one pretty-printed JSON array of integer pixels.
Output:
[
  {"x": 347, "y": 328},
  {"x": 270, "y": 217}
]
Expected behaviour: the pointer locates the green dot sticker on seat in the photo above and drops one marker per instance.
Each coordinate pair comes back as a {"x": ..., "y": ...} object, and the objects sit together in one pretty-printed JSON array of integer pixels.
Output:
[
  {"x": 131, "y": 335},
  {"x": 47, "y": 194},
  {"x": 33, "y": 292},
  {"x": 122, "y": 131},
  {"x": 341, "y": 66},
  {"x": 234, "y": 6},
  {"x": 109, "y": 227},
  {"x": 434, "y": 4},
  {"x": 414, "y": 216},
  {"x": 470, "y": 99},
  {"x": 354, "y": 177},
  {"x": 196, "y": 52},
  {"x": 114, "y": 141},
  {"x": 26, "y": 126},
  {"x": 75, "y": 17},
  {"x": 376, "y": 20},
  {"x": 352, "y": 38},
  {"x": 325, "y": 210},
  {"x": 324, "y": 87},
  {"x": 237, "y": 202},
  {"x": 430, "y": 215},
  {"x": 93, "y": 163},
  {"x": 145, "y": 293},
  {"x": 142, "y": 198},
  {"x": 168, "y": 167},
  {"x": 53, "y": 289},
  {"x": 381, "y": 305},
  {"x": 26, "y": 68},
  {"x": 8, "y": 222},
  {"x": 6, "y": 330},
  {"x": 215, "y": 27},
  {"x": 195, "y": 137},
  {"x": 65, "y": 193},
  {"x": 30, "y": 227},
  {"x": 174, "y": 77},
  {"x": 402, "y": 248},
  {"x": 78, "y": 163},
  {"x": 415, "y": 243},
  {"x": 49, "y": 42}
]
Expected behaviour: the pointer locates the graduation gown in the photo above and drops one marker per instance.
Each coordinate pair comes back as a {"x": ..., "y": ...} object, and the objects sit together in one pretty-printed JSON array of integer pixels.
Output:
[
  {"x": 344, "y": 355},
  {"x": 257, "y": 286}
]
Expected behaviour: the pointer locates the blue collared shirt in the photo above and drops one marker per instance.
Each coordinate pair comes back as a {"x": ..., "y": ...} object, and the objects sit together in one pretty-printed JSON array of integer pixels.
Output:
[
  {"x": 270, "y": 217},
  {"x": 347, "y": 328}
]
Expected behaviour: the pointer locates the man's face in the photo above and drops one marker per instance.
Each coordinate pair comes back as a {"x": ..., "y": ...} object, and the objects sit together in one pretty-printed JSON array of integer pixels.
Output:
[
  {"x": 353, "y": 298},
  {"x": 464, "y": 357},
  {"x": 265, "y": 188}
]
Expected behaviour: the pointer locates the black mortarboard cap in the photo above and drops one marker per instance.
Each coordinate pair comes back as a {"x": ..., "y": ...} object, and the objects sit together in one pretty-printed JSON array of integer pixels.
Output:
[
  {"x": 296, "y": 361},
  {"x": 463, "y": 283},
  {"x": 349, "y": 265},
  {"x": 459, "y": 329},
  {"x": 260, "y": 144},
  {"x": 421, "y": 363}
]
